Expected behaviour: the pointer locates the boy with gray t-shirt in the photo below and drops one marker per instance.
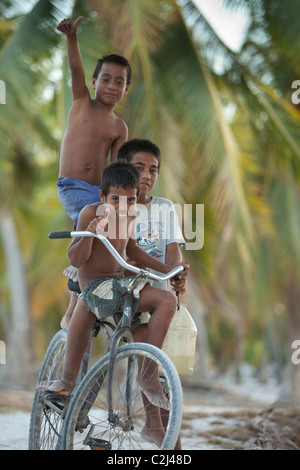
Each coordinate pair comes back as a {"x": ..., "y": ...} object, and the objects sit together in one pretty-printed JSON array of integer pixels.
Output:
[{"x": 157, "y": 226}]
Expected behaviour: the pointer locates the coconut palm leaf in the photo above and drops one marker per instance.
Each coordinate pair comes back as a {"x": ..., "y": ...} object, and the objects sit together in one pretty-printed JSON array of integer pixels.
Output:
[{"x": 229, "y": 140}]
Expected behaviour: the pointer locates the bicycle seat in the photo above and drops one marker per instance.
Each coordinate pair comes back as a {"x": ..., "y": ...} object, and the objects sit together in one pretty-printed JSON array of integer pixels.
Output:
[{"x": 74, "y": 286}]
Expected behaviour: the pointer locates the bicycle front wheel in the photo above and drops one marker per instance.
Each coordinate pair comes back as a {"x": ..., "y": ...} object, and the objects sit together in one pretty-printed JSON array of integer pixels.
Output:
[
  {"x": 132, "y": 423},
  {"x": 46, "y": 415}
]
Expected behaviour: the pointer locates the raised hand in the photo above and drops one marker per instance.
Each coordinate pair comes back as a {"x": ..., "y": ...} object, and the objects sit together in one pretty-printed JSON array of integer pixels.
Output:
[
  {"x": 99, "y": 224},
  {"x": 102, "y": 225},
  {"x": 68, "y": 27}
]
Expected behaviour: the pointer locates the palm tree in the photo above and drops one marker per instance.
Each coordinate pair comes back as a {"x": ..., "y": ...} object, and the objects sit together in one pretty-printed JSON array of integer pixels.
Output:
[
  {"x": 242, "y": 165},
  {"x": 24, "y": 136},
  {"x": 281, "y": 155},
  {"x": 223, "y": 163}
]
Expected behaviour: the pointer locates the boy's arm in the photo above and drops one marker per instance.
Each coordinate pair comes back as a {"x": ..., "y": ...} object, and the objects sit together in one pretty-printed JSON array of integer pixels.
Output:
[
  {"x": 123, "y": 136},
  {"x": 136, "y": 253},
  {"x": 81, "y": 248},
  {"x": 173, "y": 254},
  {"x": 69, "y": 28},
  {"x": 173, "y": 258}
]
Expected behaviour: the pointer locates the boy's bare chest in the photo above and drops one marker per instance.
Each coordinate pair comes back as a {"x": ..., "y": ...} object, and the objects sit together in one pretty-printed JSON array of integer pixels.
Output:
[
  {"x": 95, "y": 124},
  {"x": 102, "y": 257}
]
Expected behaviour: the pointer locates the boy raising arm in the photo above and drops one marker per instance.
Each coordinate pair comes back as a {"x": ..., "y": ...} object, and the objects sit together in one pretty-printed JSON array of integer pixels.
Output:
[{"x": 93, "y": 131}]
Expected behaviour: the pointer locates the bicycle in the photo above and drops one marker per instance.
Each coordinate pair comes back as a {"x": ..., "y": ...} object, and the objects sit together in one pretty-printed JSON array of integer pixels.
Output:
[{"x": 107, "y": 409}]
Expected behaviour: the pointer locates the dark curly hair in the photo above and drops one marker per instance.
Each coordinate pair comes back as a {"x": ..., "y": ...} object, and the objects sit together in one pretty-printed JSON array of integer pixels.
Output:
[
  {"x": 113, "y": 59},
  {"x": 120, "y": 174},
  {"x": 133, "y": 146}
]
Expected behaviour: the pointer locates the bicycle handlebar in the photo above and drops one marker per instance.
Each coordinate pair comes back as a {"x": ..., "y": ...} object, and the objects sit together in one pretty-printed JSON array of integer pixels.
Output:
[{"x": 116, "y": 255}]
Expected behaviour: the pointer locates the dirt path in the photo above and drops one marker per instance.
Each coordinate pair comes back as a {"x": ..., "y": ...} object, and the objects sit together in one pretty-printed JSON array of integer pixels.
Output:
[{"x": 228, "y": 424}]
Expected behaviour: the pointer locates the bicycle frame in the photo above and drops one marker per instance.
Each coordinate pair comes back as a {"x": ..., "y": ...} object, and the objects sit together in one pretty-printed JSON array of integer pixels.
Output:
[{"x": 122, "y": 331}]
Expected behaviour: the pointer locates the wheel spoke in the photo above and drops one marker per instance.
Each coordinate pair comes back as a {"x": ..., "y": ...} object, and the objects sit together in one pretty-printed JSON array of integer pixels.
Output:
[{"x": 131, "y": 425}]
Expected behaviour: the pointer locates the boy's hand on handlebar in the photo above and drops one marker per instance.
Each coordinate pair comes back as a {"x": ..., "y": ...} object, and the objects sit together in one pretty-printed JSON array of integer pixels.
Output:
[
  {"x": 184, "y": 273},
  {"x": 178, "y": 285},
  {"x": 178, "y": 282}
]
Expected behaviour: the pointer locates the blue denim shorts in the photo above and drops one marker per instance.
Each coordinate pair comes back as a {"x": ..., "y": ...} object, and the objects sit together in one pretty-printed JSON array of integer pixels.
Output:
[{"x": 75, "y": 194}]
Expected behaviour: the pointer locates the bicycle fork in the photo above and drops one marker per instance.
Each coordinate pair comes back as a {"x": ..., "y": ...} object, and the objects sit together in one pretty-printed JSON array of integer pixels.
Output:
[{"x": 122, "y": 335}]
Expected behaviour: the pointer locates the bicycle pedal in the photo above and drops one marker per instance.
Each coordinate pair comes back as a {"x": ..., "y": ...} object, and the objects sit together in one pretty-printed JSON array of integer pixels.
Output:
[
  {"x": 99, "y": 444},
  {"x": 58, "y": 399}
]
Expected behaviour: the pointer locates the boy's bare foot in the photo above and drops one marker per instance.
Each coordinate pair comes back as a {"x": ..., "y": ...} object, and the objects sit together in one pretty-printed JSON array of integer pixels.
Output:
[
  {"x": 55, "y": 386},
  {"x": 154, "y": 392},
  {"x": 154, "y": 435}
]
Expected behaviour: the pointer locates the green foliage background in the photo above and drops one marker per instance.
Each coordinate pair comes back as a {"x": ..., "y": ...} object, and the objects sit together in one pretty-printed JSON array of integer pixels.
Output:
[{"x": 229, "y": 141}]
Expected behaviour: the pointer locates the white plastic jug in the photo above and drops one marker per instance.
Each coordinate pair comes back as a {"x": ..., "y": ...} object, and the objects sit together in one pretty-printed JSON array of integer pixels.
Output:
[{"x": 180, "y": 341}]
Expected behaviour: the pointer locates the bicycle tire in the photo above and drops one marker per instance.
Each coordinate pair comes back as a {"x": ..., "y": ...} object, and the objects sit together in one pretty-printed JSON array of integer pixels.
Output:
[
  {"x": 45, "y": 423},
  {"x": 92, "y": 393}
]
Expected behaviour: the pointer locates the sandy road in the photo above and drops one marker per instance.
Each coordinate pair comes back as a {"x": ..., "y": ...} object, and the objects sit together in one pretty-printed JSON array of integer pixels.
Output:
[{"x": 208, "y": 423}]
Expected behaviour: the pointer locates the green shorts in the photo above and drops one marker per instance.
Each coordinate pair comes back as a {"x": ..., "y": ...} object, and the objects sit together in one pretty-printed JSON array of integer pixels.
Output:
[{"x": 105, "y": 298}]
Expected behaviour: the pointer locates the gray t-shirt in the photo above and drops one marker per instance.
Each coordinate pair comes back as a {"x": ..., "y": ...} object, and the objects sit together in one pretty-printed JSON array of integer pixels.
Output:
[{"x": 157, "y": 226}]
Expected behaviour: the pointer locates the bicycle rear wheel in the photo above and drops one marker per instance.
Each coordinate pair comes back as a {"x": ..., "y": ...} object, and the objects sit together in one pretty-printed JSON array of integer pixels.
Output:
[
  {"x": 130, "y": 424},
  {"x": 46, "y": 415}
]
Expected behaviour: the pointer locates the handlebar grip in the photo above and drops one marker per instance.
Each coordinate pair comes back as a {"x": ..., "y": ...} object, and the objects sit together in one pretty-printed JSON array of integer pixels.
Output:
[
  {"x": 60, "y": 235},
  {"x": 177, "y": 275}
]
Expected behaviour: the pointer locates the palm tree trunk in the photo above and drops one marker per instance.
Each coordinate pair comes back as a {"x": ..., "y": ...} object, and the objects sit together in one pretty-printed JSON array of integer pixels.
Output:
[{"x": 17, "y": 336}]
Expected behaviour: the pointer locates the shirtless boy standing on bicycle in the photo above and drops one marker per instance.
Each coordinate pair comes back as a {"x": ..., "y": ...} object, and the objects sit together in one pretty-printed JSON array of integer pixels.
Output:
[
  {"x": 93, "y": 130},
  {"x": 102, "y": 279}
]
